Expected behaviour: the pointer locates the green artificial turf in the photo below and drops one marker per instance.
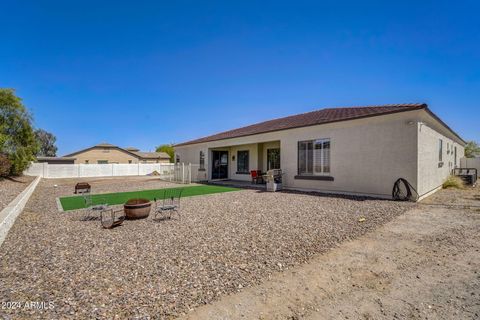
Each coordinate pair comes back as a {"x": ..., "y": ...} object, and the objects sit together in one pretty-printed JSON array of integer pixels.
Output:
[{"x": 77, "y": 202}]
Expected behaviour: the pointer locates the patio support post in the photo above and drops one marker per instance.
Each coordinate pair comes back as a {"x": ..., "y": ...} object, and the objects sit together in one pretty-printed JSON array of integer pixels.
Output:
[{"x": 183, "y": 172}]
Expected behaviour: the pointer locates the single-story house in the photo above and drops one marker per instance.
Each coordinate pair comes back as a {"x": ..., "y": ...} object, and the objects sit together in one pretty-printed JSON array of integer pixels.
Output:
[
  {"x": 354, "y": 150},
  {"x": 109, "y": 153}
]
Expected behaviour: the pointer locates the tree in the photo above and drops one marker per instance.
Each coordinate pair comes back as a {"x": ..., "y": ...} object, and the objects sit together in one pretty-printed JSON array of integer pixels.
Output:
[
  {"x": 168, "y": 148},
  {"x": 46, "y": 141},
  {"x": 471, "y": 149},
  {"x": 17, "y": 138},
  {"x": 5, "y": 165}
]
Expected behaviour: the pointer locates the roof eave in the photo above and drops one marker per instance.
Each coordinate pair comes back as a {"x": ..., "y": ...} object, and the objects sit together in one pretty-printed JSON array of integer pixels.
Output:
[
  {"x": 433, "y": 115},
  {"x": 420, "y": 107}
]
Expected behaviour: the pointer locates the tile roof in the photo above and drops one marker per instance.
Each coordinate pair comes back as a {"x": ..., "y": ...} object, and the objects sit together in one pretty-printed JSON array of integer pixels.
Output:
[
  {"x": 130, "y": 150},
  {"x": 56, "y": 158},
  {"x": 105, "y": 145},
  {"x": 151, "y": 155},
  {"x": 309, "y": 119}
]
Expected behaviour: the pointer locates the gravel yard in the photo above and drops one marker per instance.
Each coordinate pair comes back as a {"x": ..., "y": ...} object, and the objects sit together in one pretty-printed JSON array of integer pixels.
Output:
[
  {"x": 220, "y": 244},
  {"x": 10, "y": 188}
]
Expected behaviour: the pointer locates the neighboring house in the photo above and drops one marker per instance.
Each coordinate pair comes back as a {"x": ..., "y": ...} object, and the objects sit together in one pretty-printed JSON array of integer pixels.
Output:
[
  {"x": 357, "y": 150},
  {"x": 108, "y": 153}
]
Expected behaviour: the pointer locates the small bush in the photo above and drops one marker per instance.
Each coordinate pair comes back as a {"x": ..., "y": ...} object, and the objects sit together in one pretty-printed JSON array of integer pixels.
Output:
[
  {"x": 453, "y": 182},
  {"x": 5, "y": 165}
]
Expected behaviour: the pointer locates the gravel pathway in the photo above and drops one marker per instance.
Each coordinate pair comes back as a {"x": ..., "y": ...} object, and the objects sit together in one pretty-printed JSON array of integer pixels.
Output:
[
  {"x": 10, "y": 188},
  {"x": 146, "y": 269}
]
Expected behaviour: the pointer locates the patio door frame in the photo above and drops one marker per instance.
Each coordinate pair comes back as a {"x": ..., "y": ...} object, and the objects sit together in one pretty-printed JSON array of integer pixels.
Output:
[
  {"x": 219, "y": 169},
  {"x": 279, "y": 158}
]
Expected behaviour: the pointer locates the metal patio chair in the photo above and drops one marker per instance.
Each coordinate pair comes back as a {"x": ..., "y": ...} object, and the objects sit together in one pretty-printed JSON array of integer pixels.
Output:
[
  {"x": 169, "y": 204},
  {"x": 93, "y": 210},
  {"x": 111, "y": 218}
]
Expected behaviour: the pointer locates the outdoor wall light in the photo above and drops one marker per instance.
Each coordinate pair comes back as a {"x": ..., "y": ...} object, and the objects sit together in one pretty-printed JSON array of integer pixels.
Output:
[{"x": 233, "y": 158}]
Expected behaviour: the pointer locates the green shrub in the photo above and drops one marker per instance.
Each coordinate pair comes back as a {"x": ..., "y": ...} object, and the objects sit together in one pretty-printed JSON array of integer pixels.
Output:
[
  {"x": 453, "y": 182},
  {"x": 17, "y": 138}
]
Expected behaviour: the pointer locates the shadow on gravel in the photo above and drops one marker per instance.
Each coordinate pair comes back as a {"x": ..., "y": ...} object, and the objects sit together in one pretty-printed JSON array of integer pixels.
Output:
[
  {"x": 12, "y": 179},
  {"x": 330, "y": 195}
]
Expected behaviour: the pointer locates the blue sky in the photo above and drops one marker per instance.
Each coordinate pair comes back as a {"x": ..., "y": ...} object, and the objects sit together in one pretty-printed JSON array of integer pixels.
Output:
[{"x": 145, "y": 73}]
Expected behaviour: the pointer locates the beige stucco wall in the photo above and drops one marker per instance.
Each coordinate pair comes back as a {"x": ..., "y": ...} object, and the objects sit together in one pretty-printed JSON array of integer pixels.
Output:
[
  {"x": 430, "y": 174},
  {"x": 367, "y": 155},
  {"x": 111, "y": 155}
]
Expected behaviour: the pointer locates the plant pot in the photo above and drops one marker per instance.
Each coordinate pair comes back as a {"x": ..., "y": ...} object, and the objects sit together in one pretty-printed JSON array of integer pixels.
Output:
[{"x": 137, "y": 208}]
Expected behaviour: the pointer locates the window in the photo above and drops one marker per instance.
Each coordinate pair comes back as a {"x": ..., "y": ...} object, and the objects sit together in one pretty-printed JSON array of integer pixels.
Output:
[
  {"x": 273, "y": 158},
  {"x": 314, "y": 157},
  {"x": 242, "y": 162},
  {"x": 202, "y": 161},
  {"x": 455, "y": 156},
  {"x": 177, "y": 158},
  {"x": 102, "y": 161},
  {"x": 440, "y": 150}
]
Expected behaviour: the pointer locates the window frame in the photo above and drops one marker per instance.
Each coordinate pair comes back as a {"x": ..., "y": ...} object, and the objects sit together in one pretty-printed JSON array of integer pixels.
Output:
[
  {"x": 246, "y": 168},
  {"x": 455, "y": 156},
  {"x": 270, "y": 152},
  {"x": 314, "y": 155},
  {"x": 440, "y": 150},
  {"x": 201, "y": 161}
]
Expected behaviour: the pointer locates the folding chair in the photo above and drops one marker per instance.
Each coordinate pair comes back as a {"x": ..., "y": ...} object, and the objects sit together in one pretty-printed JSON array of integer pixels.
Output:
[
  {"x": 112, "y": 218},
  {"x": 91, "y": 209},
  {"x": 169, "y": 204}
]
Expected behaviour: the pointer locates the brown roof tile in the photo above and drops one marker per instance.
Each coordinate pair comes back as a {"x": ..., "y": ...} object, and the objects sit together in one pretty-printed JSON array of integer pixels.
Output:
[
  {"x": 309, "y": 119},
  {"x": 151, "y": 155}
]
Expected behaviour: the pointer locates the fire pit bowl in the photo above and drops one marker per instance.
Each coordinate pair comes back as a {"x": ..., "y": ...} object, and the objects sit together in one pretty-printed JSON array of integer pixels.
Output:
[{"x": 137, "y": 208}]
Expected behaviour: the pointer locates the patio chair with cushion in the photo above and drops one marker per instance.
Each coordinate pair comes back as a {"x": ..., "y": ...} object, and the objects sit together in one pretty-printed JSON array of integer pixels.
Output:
[
  {"x": 93, "y": 210},
  {"x": 256, "y": 176},
  {"x": 169, "y": 204}
]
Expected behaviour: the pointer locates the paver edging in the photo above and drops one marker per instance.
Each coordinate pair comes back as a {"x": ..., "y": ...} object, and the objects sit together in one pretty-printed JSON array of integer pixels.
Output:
[{"x": 14, "y": 208}]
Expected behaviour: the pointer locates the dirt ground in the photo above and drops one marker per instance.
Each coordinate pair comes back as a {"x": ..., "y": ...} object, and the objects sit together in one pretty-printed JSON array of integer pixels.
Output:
[{"x": 424, "y": 264}]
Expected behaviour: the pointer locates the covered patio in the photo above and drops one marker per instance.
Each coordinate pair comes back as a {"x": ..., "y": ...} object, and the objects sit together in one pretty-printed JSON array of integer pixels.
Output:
[{"x": 236, "y": 162}]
